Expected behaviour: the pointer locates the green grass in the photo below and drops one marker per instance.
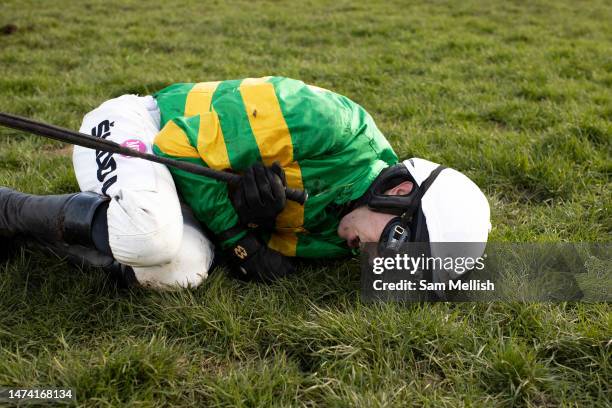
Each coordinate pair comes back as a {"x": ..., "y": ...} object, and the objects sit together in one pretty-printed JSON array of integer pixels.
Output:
[{"x": 515, "y": 94}]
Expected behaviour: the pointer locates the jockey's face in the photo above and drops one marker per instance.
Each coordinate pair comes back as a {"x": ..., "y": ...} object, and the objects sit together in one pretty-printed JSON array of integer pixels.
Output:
[{"x": 365, "y": 225}]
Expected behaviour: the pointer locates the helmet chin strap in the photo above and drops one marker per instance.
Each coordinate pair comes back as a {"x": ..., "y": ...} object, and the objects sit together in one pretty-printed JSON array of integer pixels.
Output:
[
  {"x": 410, "y": 224},
  {"x": 395, "y": 233}
]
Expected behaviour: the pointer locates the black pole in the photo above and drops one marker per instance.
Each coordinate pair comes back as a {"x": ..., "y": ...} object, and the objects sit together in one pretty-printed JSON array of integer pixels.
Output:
[{"x": 91, "y": 142}]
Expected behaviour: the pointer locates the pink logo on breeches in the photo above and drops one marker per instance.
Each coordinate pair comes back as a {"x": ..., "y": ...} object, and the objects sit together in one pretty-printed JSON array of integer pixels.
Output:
[{"x": 134, "y": 144}]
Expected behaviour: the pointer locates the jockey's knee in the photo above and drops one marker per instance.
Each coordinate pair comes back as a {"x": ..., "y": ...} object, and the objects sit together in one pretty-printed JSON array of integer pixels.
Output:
[
  {"x": 189, "y": 267},
  {"x": 145, "y": 228}
]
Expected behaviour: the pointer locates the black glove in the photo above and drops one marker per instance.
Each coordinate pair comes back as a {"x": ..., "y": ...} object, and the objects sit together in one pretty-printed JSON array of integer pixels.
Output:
[
  {"x": 260, "y": 196},
  {"x": 251, "y": 260}
]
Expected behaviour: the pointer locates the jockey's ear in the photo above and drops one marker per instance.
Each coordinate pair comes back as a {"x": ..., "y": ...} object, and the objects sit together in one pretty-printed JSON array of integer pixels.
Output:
[{"x": 403, "y": 188}]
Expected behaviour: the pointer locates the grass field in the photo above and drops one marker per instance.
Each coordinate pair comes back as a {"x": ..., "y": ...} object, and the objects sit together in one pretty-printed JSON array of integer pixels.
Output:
[{"x": 515, "y": 94}]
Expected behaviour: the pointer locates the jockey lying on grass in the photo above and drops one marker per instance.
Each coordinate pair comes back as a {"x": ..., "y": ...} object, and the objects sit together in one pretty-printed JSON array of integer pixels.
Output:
[{"x": 275, "y": 131}]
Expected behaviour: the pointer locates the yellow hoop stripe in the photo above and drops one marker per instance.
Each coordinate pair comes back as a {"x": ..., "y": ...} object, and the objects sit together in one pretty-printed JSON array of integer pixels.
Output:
[
  {"x": 274, "y": 141},
  {"x": 172, "y": 141},
  {"x": 211, "y": 144},
  {"x": 285, "y": 243},
  {"x": 199, "y": 98}
]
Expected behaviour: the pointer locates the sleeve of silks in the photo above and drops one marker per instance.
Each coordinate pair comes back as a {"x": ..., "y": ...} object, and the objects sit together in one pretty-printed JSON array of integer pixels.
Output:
[{"x": 185, "y": 140}]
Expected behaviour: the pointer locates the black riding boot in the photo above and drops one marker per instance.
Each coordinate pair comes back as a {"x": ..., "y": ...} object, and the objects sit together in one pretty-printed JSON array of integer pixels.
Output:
[
  {"x": 50, "y": 218},
  {"x": 61, "y": 224}
]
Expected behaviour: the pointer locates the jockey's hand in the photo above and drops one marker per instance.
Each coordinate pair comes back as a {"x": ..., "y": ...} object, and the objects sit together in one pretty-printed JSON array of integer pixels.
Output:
[
  {"x": 260, "y": 196},
  {"x": 251, "y": 260}
]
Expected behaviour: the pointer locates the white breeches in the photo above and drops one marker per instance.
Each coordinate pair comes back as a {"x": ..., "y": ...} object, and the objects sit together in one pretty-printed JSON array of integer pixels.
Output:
[{"x": 147, "y": 227}]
